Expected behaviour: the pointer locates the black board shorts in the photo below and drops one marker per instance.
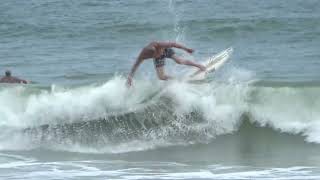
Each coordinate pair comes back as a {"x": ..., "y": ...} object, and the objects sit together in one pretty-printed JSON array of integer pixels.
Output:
[{"x": 167, "y": 53}]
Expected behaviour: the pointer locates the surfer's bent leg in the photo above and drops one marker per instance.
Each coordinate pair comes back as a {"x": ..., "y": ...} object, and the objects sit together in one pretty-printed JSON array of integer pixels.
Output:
[
  {"x": 161, "y": 74},
  {"x": 179, "y": 60}
]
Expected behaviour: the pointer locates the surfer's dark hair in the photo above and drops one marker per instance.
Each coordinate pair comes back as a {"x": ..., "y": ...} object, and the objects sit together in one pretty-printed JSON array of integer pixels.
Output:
[{"x": 8, "y": 73}]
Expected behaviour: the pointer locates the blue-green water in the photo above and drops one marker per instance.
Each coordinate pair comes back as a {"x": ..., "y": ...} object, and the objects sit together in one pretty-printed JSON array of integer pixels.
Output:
[{"x": 256, "y": 118}]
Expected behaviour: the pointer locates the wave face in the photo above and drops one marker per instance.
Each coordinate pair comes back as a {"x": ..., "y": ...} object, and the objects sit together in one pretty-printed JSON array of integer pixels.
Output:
[{"x": 109, "y": 118}]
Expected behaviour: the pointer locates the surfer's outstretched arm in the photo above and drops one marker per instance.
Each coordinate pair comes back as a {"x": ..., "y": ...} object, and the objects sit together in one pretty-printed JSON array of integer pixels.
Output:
[
  {"x": 179, "y": 60},
  {"x": 133, "y": 70},
  {"x": 146, "y": 53}
]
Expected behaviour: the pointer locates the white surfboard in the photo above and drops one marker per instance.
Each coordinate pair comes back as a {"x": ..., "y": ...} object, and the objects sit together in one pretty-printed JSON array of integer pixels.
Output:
[{"x": 212, "y": 64}]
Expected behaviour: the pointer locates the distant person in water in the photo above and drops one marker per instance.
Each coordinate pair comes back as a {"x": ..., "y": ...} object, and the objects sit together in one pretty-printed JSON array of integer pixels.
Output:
[
  {"x": 159, "y": 51},
  {"x": 10, "y": 79}
]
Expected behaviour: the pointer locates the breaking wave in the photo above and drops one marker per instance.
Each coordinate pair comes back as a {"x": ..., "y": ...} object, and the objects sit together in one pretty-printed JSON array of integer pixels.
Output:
[{"x": 110, "y": 118}]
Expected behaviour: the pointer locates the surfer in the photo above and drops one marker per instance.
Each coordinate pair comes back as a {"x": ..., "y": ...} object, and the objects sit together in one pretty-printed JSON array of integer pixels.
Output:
[
  {"x": 159, "y": 51},
  {"x": 10, "y": 79}
]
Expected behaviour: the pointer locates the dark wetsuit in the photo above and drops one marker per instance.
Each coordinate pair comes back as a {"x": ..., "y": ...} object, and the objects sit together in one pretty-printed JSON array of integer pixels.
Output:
[{"x": 167, "y": 53}]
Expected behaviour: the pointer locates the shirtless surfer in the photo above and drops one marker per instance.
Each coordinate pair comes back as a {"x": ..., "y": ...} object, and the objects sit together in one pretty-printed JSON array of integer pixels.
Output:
[
  {"x": 159, "y": 51},
  {"x": 10, "y": 79}
]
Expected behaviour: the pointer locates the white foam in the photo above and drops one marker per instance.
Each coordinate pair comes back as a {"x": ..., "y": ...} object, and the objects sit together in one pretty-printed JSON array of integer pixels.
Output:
[
  {"x": 218, "y": 112},
  {"x": 68, "y": 105},
  {"x": 288, "y": 109}
]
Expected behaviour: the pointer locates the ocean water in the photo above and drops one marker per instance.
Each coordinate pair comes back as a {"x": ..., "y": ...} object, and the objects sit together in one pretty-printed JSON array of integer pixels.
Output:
[{"x": 256, "y": 118}]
